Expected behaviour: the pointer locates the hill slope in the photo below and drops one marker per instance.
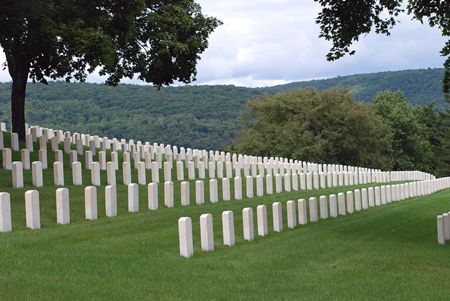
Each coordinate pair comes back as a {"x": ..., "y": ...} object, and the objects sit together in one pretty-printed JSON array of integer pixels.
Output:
[{"x": 203, "y": 117}]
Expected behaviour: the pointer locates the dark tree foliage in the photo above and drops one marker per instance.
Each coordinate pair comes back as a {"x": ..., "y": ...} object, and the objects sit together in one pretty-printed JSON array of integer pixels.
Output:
[
  {"x": 159, "y": 41},
  {"x": 343, "y": 21}
]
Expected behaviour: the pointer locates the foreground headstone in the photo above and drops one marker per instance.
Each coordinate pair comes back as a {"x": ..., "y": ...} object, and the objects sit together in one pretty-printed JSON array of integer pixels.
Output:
[
  {"x": 302, "y": 213},
  {"x": 90, "y": 202},
  {"x": 199, "y": 192},
  {"x": 111, "y": 200},
  {"x": 350, "y": 203},
  {"x": 62, "y": 206},
  {"x": 36, "y": 172},
  {"x": 341, "y": 204},
  {"x": 357, "y": 200},
  {"x": 25, "y": 158},
  {"x": 333, "y": 206},
  {"x": 213, "y": 191},
  {"x": 364, "y": 201},
  {"x": 77, "y": 178},
  {"x": 226, "y": 195},
  {"x": 247, "y": 220},
  {"x": 133, "y": 197},
  {"x": 15, "y": 142},
  {"x": 206, "y": 232},
  {"x": 261, "y": 217},
  {"x": 228, "y": 228},
  {"x": 323, "y": 207},
  {"x": 5, "y": 212},
  {"x": 291, "y": 214},
  {"x": 168, "y": 194},
  {"x": 152, "y": 196},
  {"x": 58, "y": 173},
  {"x": 33, "y": 215},
  {"x": 277, "y": 213},
  {"x": 440, "y": 230},
  {"x": 17, "y": 174},
  {"x": 313, "y": 216},
  {"x": 185, "y": 236},
  {"x": 185, "y": 194},
  {"x": 7, "y": 158}
]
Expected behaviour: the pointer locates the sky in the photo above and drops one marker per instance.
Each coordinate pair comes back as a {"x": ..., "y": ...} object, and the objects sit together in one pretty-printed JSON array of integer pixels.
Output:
[{"x": 271, "y": 42}]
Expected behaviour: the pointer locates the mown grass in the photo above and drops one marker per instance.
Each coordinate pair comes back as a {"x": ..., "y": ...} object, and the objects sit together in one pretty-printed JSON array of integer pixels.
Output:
[{"x": 383, "y": 253}]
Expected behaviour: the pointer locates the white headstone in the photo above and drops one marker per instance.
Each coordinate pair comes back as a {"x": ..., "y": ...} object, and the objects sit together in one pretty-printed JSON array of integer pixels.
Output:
[
  {"x": 341, "y": 204},
  {"x": 58, "y": 173},
  {"x": 199, "y": 192},
  {"x": 440, "y": 230},
  {"x": 206, "y": 232},
  {"x": 261, "y": 217},
  {"x": 291, "y": 214},
  {"x": 248, "y": 226},
  {"x": 302, "y": 213},
  {"x": 95, "y": 174},
  {"x": 126, "y": 172},
  {"x": 62, "y": 206},
  {"x": 33, "y": 215},
  {"x": 36, "y": 172},
  {"x": 249, "y": 186},
  {"x": 226, "y": 194},
  {"x": 185, "y": 236},
  {"x": 213, "y": 191},
  {"x": 152, "y": 196},
  {"x": 371, "y": 197},
  {"x": 168, "y": 194},
  {"x": 277, "y": 214},
  {"x": 364, "y": 201},
  {"x": 111, "y": 200},
  {"x": 133, "y": 197},
  {"x": 228, "y": 228},
  {"x": 333, "y": 206},
  {"x": 357, "y": 200},
  {"x": 185, "y": 194},
  {"x": 237, "y": 188},
  {"x": 5, "y": 212},
  {"x": 7, "y": 158},
  {"x": 155, "y": 172},
  {"x": 350, "y": 202},
  {"x": 15, "y": 142},
  {"x": 323, "y": 207},
  {"x": 269, "y": 184},
  {"x": 90, "y": 202},
  {"x": 17, "y": 174},
  {"x": 313, "y": 216}
]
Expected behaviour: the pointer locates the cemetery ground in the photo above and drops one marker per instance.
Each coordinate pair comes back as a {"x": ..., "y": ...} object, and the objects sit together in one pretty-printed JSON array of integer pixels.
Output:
[{"x": 387, "y": 252}]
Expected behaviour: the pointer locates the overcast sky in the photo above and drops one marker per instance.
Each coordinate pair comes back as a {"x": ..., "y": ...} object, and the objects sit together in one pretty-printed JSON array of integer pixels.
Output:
[{"x": 270, "y": 42}]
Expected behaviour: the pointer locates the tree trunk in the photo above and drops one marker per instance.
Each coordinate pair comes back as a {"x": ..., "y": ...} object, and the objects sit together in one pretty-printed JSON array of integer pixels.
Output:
[{"x": 19, "y": 86}]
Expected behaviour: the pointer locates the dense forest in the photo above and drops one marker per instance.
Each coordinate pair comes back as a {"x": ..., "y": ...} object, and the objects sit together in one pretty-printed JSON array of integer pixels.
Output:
[{"x": 203, "y": 117}]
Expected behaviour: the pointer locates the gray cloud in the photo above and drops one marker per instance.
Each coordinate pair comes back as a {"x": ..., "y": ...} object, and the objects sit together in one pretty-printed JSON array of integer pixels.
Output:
[{"x": 268, "y": 42}]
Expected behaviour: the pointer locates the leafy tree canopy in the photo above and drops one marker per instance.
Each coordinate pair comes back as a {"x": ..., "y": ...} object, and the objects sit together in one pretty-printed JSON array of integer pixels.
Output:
[
  {"x": 159, "y": 41},
  {"x": 304, "y": 124},
  {"x": 342, "y": 22}
]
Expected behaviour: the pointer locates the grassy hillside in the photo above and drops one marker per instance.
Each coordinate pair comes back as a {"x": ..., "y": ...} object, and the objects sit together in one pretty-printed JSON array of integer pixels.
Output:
[
  {"x": 388, "y": 252},
  {"x": 203, "y": 117}
]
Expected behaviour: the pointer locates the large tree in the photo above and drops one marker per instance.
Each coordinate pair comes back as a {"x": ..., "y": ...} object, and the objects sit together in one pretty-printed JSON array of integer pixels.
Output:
[
  {"x": 324, "y": 127},
  {"x": 159, "y": 41},
  {"x": 343, "y": 21}
]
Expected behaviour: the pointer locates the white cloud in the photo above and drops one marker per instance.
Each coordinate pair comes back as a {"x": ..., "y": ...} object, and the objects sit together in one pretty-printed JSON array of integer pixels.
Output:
[{"x": 268, "y": 42}]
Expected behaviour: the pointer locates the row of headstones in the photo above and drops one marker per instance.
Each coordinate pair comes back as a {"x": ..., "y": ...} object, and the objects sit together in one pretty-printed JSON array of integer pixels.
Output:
[
  {"x": 326, "y": 180},
  {"x": 443, "y": 228},
  {"x": 375, "y": 196},
  {"x": 332, "y": 206},
  {"x": 307, "y": 181},
  {"x": 277, "y": 165}
]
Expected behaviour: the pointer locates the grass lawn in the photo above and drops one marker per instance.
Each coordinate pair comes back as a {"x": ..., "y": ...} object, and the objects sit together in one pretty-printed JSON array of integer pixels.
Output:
[{"x": 382, "y": 253}]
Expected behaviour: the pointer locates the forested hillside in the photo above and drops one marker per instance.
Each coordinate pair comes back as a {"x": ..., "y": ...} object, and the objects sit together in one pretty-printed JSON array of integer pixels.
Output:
[{"x": 193, "y": 116}]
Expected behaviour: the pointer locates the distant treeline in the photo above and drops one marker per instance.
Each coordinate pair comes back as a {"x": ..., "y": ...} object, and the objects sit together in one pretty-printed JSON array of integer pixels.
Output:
[{"x": 204, "y": 117}]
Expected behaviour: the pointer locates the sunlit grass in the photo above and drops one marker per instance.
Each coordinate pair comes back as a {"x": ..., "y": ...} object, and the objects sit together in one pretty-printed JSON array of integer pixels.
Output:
[{"x": 382, "y": 253}]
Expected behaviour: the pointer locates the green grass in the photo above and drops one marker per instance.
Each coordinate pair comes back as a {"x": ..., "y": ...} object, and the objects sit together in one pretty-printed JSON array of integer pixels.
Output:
[{"x": 382, "y": 253}]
